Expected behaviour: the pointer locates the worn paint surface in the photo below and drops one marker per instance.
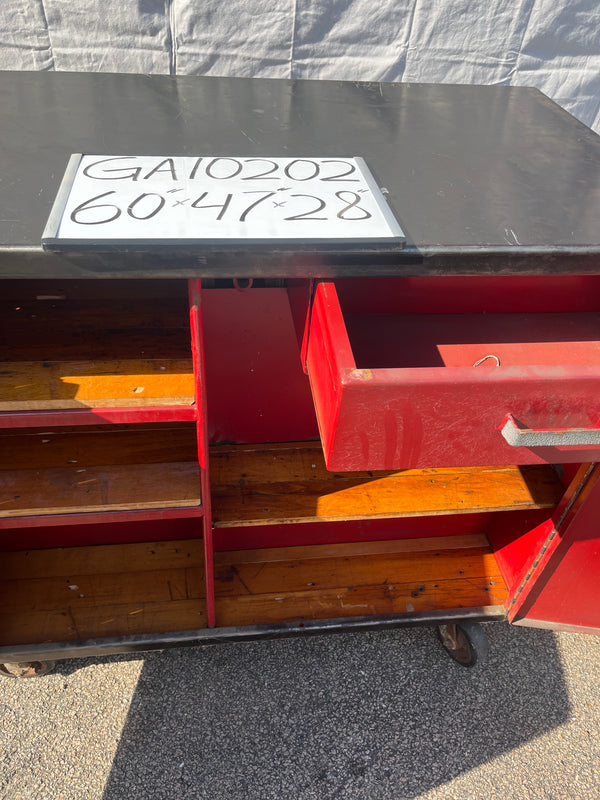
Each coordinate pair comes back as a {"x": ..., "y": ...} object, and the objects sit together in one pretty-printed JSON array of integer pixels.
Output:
[{"x": 429, "y": 416}]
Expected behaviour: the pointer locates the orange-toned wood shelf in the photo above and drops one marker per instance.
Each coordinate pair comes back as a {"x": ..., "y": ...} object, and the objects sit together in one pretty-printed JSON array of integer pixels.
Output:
[
  {"x": 62, "y": 347},
  {"x": 65, "y": 594},
  {"x": 50, "y": 385},
  {"x": 360, "y": 579},
  {"x": 281, "y": 483},
  {"x": 83, "y": 470}
]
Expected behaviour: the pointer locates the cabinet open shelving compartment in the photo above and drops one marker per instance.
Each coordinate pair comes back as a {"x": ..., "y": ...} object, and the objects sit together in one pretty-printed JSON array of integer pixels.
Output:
[
  {"x": 115, "y": 515},
  {"x": 103, "y": 455},
  {"x": 207, "y": 442},
  {"x": 83, "y": 345},
  {"x": 95, "y": 470}
]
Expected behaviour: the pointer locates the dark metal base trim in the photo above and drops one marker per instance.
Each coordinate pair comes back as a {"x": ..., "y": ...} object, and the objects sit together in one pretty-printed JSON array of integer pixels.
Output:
[{"x": 159, "y": 641}]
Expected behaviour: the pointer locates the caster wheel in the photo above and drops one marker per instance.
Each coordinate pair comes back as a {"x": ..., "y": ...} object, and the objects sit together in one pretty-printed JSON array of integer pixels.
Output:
[
  {"x": 25, "y": 669},
  {"x": 465, "y": 642}
]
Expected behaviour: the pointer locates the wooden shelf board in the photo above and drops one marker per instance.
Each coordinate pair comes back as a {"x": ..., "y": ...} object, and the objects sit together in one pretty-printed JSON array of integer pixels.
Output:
[
  {"x": 65, "y": 594},
  {"x": 98, "y": 469},
  {"x": 275, "y": 484},
  {"x": 97, "y": 445},
  {"x": 362, "y": 579},
  {"x": 34, "y": 326},
  {"x": 94, "y": 489},
  {"x": 37, "y": 386}
]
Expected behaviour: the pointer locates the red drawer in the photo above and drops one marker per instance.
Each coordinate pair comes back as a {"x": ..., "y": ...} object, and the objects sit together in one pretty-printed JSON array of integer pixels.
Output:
[{"x": 397, "y": 387}]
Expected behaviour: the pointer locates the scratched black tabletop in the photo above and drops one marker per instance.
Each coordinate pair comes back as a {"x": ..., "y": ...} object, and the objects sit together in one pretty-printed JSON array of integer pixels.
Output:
[{"x": 483, "y": 179}]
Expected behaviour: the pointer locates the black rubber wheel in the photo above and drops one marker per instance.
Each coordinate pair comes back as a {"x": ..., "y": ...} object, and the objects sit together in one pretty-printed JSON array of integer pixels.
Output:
[
  {"x": 25, "y": 669},
  {"x": 465, "y": 642}
]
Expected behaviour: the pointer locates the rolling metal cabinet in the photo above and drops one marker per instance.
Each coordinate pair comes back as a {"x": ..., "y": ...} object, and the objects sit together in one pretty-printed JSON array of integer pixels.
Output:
[{"x": 208, "y": 445}]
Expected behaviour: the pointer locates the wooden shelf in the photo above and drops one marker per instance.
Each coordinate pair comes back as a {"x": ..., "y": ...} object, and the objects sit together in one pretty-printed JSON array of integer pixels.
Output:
[
  {"x": 32, "y": 386},
  {"x": 361, "y": 579},
  {"x": 97, "y": 469},
  {"x": 65, "y": 594},
  {"x": 64, "y": 348},
  {"x": 279, "y": 483}
]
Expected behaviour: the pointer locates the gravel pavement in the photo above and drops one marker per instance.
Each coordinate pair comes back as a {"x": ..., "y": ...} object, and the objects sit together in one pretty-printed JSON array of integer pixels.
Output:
[{"x": 355, "y": 716}]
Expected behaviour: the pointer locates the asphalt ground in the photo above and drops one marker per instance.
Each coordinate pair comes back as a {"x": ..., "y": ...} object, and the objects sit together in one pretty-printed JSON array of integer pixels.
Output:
[{"x": 357, "y": 716}]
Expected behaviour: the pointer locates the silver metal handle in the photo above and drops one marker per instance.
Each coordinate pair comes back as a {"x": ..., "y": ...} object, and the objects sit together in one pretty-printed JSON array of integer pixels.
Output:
[{"x": 552, "y": 437}]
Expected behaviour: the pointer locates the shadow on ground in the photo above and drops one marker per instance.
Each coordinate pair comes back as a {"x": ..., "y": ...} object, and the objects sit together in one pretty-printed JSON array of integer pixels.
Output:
[{"x": 371, "y": 716}]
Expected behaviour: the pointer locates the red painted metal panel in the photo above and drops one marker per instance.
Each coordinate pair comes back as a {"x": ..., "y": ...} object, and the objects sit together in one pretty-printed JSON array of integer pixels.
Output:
[
  {"x": 300, "y": 293},
  {"x": 516, "y": 539},
  {"x": 256, "y": 387},
  {"x": 328, "y": 355},
  {"x": 465, "y": 294},
  {"x": 423, "y": 419},
  {"x": 96, "y": 416},
  {"x": 197, "y": 336},
  {"x": 134, "y": 529},
  {"x": 562, "y": 589},
  {"x": 437, "y": 417}
]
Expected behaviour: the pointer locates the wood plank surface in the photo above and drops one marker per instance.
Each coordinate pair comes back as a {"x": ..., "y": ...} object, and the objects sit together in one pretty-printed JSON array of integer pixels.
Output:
[
  {"x": 87, "y": 591},
  {"x": 62, "y": 346},
  {"x": 352, "y": 549},
  {"x": 98, "y": 468},
  {"x": 90, "y": 489},
  {"x": 86, "y": 384},
  {"x": 119, "y": 343},
  {"x": 107, "y": 558},
  {"x": 20, "y": 291},
  {"x": 356, "y": 601},
  {"x": 94, "y": 313},
  {"x": 93, "y": 327},
  {"x": 64, "y": 594},
  {"x": 378, "y": 568},
  {"x": 72, "y": 593},
  {"x": 97, "y": 445},
  {"x": 36, "y": 627},
  {"x": 353, "y": 582},
  {"x": 275, "y": 484}
]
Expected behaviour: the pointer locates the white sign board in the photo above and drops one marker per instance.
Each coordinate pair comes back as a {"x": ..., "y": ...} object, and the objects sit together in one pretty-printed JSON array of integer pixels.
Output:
[{"x": 218, "y": 199}]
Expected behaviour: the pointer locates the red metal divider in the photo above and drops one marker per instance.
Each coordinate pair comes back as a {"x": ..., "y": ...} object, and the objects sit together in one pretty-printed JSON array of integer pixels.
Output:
[
  {"x": 197, "y": 336},
  {"x": 96, "y": 416}
]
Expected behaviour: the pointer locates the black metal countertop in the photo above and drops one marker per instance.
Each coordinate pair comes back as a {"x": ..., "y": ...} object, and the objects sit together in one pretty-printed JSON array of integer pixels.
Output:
[{"x": 483, "y": 179}]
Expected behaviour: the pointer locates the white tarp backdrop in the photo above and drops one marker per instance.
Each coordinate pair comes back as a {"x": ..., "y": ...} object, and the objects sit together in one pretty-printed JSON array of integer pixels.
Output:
[{"x": 551, "y": 44}]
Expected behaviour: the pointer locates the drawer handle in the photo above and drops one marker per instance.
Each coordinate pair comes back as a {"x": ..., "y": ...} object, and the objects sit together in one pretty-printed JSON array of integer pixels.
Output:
[{"x": 552, "y": 437}]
